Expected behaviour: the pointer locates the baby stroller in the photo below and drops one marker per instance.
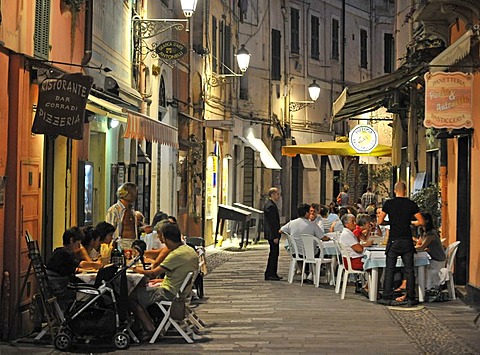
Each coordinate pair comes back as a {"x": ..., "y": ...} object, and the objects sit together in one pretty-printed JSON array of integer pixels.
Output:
[{"x": 99, "y": 311}]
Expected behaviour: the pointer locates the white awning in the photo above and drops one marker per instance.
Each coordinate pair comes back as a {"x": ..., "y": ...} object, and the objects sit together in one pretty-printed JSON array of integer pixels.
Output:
[
  {"x": 454, "y": 53},
  {"x": 105, "y": 108},
  {"x": 335, "y": 162},
  {"x": 307, "y": 159},
  {"x": 265, "y": 155}
]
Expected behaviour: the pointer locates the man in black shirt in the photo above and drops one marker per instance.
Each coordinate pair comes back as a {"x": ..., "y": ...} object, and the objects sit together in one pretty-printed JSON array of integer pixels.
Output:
[
  {"x": 400, "y": 211},
  {"x": 271, "y": 232}
]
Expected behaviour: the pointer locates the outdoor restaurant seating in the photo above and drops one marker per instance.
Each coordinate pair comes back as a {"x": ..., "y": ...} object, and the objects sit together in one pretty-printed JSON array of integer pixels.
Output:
[
  {"x": 176, "y": 317},
  {"x": 451, "y": 252},
  {"x": 295, "y": 258},
  {"x": 348, "y": 270}
]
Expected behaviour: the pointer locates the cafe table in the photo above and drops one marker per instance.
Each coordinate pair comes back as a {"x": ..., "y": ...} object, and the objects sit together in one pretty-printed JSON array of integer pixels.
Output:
[
  {"x": 133, "y": 278},
  {"x": 374, "y": 259}
]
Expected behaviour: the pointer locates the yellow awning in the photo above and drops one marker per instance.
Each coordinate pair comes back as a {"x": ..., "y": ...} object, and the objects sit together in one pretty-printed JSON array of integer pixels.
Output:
[{"x": 333, "y": 148}]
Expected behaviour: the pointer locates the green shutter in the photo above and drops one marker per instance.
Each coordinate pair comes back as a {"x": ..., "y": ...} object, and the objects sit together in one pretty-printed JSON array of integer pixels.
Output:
[{"x": 41, "y": 45}]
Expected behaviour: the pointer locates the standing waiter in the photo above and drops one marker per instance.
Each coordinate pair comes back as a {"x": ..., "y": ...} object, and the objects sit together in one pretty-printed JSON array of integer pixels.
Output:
[{"x": 272, "y": 233}]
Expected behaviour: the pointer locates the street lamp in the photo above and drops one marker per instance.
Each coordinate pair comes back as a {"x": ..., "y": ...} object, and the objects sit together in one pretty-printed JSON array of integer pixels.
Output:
[
  {"x": 243, "y": 58},
  {"x": 313, "y": 92},
  {"x": 188, "y": 7}
]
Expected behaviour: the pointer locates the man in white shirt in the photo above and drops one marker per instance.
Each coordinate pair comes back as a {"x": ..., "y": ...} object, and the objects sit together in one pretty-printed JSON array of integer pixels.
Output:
[
  {"x": 303, "y": 224},
  {"x": 354, "y": 246}
]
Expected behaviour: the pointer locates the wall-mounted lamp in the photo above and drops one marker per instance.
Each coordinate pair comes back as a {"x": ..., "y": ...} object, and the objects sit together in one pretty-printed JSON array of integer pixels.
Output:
[
  {"x": 313, "y": 92},
  {"x": 112, "y": 123},
  {"x": 228, "y": 157},
  {"x": 243, "y": 61}
]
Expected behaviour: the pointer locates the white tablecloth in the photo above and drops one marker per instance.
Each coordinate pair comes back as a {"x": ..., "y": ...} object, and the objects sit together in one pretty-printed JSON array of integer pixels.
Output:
[
  {"x": 374, "y": 258},
  {"x": 133, "y": 279}
]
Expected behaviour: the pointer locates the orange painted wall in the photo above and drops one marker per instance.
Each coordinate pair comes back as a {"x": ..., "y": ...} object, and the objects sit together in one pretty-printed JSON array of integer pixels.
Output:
[
  {"x": 450, "y": 219},
  {"x": 3, "y": 141},
  {"x": 474, "y": 267}
]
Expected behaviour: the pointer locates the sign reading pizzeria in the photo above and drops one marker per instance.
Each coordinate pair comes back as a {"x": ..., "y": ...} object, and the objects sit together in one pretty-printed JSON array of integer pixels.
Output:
[
  {"x": 448, "y": 100},
  {"x": 61, "y": 105},
  {"x": 171, "y": 50}
]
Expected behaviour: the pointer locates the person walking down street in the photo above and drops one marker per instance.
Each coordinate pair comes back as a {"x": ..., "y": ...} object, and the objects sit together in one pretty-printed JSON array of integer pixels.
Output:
[
  {"x": 343, "y": 198},
  {"x": 400, "y": 211},
  {"x": 272, "y": 233},
  {"x": 122, "y": 215},
  {"x": 368, "y": 197}
]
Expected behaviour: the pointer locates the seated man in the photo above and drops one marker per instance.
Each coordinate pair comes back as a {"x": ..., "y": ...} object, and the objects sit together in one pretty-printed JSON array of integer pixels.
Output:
[
  {"x": 62, "y": 265},
  {"x": 303, "y": 224},
  {"x": 181, "y": 260},
  {"x": 354, "y": 246}
]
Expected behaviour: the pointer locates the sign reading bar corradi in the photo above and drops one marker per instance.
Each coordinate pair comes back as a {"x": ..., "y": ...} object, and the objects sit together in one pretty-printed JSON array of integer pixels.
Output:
[
  {"x": 61, "y": 105},
  {"x": 171, "y": 50},
  {"x": 448, "y": 100}
]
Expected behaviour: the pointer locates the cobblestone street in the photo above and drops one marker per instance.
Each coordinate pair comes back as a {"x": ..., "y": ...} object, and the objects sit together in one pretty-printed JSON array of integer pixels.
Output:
[{"x": 245, "y": 314}]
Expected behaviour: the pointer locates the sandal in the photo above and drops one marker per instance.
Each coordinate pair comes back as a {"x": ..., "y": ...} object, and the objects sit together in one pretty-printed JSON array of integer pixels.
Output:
[{"x": 401, "y": 298}]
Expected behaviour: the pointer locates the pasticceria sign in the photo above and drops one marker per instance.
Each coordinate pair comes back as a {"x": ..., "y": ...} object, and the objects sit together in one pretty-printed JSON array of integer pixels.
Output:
[{"x": 448, "y": 100}]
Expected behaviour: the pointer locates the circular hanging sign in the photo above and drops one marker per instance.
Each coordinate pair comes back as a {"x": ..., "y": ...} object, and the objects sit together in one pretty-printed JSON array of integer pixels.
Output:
[
  {"x": 171, "y": 50},
  {"x": 363, "y": 138}
]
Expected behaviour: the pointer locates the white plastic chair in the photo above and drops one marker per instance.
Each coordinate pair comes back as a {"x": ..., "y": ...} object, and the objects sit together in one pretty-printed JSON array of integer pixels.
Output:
[
  {"x": 311, "y": 245},
  {"x": 165, "y": 307},
  {"x": 340, "y": 267},
  {"x": 295, "y": 258},
  {"x": 451, "y": 252},
  {"x": 348, "y": 270}
]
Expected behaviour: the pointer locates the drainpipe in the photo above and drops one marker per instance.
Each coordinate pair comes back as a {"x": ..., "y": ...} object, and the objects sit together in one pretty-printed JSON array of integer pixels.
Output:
[{"x": 87, "y": 46}]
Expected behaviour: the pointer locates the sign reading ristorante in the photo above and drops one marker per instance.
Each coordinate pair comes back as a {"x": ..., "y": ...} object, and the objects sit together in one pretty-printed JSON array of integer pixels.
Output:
[
  {"x": 61, "y": 105},
  {"x": 171, "y": 50},
  {"x": 448, "y": 100}
]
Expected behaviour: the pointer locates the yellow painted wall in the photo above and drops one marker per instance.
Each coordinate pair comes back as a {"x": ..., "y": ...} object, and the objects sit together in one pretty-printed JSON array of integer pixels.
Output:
[{"x": 474, "y": 267}]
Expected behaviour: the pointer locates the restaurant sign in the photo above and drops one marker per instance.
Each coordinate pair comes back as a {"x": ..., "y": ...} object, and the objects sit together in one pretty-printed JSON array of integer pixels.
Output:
[
  {"x": 171, "y": 50},
  {"x": 61, "y": 105},
  {"x": 448, "y": 100},
  {"x": 363, "y": 138}
]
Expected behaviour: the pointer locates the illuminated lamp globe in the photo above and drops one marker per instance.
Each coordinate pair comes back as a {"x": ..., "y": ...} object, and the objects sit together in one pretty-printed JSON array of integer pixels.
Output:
[
  {"x": 314, "y": 91},
  {"x": 188, "y": 7},
  {"x": 243, "y": 58}
]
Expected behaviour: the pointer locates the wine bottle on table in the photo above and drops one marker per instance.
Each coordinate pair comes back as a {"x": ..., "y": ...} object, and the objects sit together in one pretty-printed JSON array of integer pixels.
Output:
[{"x": 117, "y": 257}]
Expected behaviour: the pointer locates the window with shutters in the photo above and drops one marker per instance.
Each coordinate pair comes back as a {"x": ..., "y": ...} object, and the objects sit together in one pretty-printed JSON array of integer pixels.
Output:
[
  {"x": 295, "y": 30},
  {"x": 363, "y": 49},
  {"x": 227, "y": 50},
  {"x": 315, "y": 37},
  {"x": 214, "y": 45},
  {"x": 276, "y": 54},
  {"x": 335, "y": 39},
  {"x": 388, "y": 44},
  {"x": 244, "y": 86},
  {"x": 41, "y": 45}
]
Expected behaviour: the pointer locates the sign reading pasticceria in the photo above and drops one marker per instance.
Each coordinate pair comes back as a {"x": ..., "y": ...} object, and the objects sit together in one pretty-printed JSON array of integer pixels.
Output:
[
  {"x": 61, "y": 105},
  {"x": 448, "y": 100},
  {"x": 171, "y": 50}
]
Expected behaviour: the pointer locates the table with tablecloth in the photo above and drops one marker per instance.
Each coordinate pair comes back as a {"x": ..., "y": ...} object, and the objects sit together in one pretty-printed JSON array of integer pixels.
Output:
[
  {"x": 374, "y": 258},
  {"x": 133, "y": 279}
]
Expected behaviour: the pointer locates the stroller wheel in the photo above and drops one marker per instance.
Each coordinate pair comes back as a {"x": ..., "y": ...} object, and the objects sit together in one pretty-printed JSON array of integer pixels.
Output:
[
  {"x": 62, "y": 341},
  {"x": 121, "y": 341}
]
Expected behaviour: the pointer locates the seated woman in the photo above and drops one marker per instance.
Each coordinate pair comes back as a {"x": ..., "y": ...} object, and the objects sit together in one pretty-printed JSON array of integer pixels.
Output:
[
  {"x": 430, "y": 242},
  {"x": 90, "y": 247},
  {"x": 364, "y": 227},
  {"x": 105, "y": 231}
]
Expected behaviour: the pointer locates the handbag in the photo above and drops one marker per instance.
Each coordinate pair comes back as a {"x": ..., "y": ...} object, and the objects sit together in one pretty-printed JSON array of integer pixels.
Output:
[{"x": 177, "y": 309}]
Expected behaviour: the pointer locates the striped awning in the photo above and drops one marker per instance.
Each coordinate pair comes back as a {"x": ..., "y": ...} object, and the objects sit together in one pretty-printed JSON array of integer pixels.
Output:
[{"x": 143, "y": 127}]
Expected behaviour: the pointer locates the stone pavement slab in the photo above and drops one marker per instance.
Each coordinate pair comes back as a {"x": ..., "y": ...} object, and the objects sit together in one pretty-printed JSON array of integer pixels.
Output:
[{"x": 246, "y": 314}]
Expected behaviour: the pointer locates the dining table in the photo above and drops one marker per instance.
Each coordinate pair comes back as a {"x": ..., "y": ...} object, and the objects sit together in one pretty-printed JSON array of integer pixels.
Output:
[
  {"x": 133, "y": 278},
  {"x": 374, "y": 259}
]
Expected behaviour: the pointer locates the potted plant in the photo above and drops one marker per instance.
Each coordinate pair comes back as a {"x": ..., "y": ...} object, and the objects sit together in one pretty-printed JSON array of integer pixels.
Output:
[{"x": 428, "y": 200}]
